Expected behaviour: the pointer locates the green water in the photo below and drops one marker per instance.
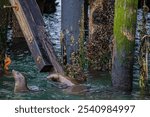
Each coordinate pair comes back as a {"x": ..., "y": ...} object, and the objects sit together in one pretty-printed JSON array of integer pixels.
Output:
[{"x": 99, "y": 83}]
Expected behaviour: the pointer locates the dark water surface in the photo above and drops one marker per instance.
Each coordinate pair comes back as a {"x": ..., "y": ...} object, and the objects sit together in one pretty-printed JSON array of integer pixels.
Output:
[{"x": 99, "y": 83}]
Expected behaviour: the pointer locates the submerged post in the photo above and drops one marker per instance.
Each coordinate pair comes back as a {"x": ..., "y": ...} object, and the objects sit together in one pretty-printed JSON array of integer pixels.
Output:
[
  {"x": 72, "y": 36},
  {"x": 100, "y": 34},
  {"x": 124, "y": 33}
]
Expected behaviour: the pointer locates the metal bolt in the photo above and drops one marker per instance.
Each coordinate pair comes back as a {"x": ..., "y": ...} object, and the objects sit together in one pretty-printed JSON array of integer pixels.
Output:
[
  {"x": 9, "y": 6},
  {"x": 14, "y": 6},
  {"x": 39, "y": 59}
]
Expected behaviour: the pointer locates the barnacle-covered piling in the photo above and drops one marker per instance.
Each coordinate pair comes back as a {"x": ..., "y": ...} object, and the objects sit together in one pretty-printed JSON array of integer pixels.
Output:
[
  {"x": 100, "y": 34},
  {"x": 73, "y": 38}
]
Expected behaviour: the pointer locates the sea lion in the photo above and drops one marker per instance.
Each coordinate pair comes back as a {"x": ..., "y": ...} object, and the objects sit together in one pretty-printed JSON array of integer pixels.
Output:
[
  {"x": 20, "y": 82},
  {"x": 72, "y": 86},
  {"x": 62, "y": 79}
]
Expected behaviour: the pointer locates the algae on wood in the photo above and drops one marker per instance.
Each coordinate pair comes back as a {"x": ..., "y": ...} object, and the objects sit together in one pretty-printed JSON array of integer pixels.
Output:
[{"x": 124, "y": 34}]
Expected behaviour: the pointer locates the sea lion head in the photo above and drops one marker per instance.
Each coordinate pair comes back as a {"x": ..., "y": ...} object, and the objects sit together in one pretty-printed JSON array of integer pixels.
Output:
[
  {"x": 61, "y": 79},
  {"x": 54, "y": 77},
  {"x": 20, "y": 82}
]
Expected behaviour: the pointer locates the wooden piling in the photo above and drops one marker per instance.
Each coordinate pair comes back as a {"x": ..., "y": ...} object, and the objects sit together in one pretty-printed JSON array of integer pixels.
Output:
[
  {"x": 100, "y": 34},
  {"x": 124, "y": 39},
  {"x": 73, "y": 37}
]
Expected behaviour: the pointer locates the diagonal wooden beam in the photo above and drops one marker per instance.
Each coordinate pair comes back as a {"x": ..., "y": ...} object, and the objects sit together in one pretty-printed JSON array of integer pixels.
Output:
[{"x": 32, "y": 26}]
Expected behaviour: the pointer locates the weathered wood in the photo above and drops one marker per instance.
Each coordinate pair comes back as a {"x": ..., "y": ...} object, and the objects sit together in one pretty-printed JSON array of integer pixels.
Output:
[
  {"x": 124, "y": 40},
  {"x": 35, "y": 34},
  {"x": 46, "y": 6},
  {"x": 100, "y": 34},
  {"x": 17, "y": 33},
  {"x": 73, "y": 37},
  {"x": 45, "y": 41},
  {"x": 70, "y": 26}
]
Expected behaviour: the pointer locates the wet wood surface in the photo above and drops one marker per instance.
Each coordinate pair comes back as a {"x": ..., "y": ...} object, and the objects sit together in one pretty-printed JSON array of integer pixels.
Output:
[{"x": 32, "y": 25}]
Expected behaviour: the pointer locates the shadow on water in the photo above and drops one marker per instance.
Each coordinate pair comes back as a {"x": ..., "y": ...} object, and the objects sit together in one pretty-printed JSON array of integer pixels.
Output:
[{"x": 99, "y": 83}]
